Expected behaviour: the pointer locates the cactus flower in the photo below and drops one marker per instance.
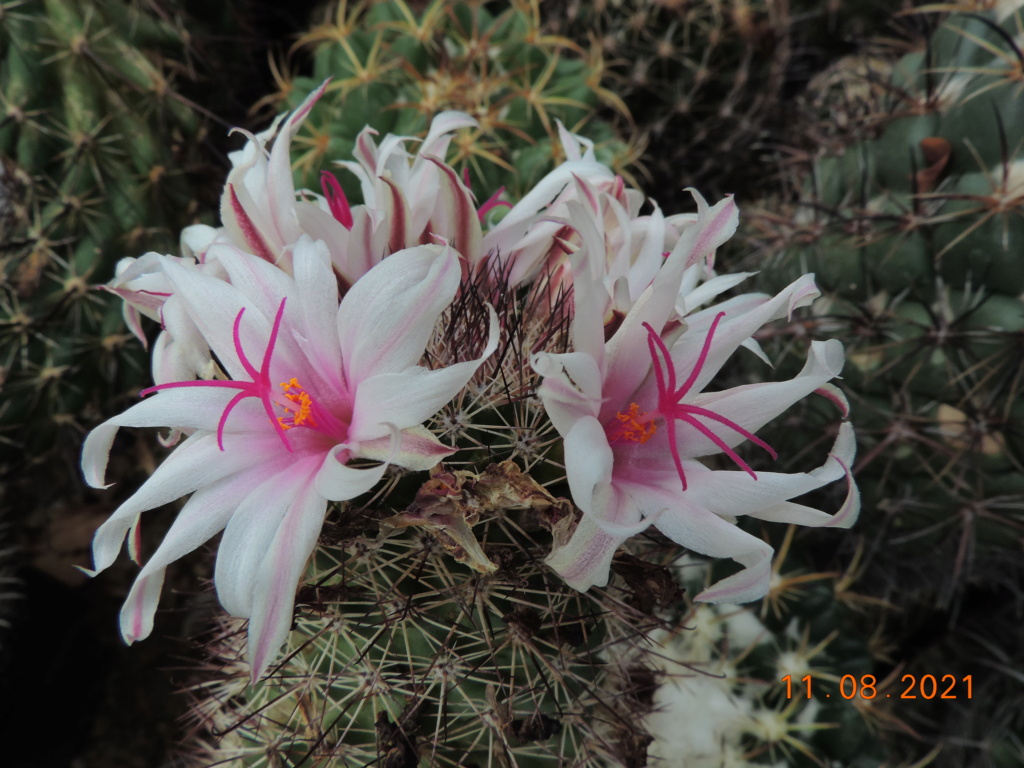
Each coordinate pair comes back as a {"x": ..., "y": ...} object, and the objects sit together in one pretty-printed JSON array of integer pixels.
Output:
[
  {"x": 409, "y": 199},
  {"x": 307, "y": 387},
  {"x": 636, "y": 422}
]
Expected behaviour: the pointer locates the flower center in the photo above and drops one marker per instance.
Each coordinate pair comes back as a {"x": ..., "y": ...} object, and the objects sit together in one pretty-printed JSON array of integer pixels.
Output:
[
  {"x": 632, "y": 426},
  {"x": 302, "y": 414},
  {"x": 259, "y": 387},
  {"x": 672, "y": 408}
]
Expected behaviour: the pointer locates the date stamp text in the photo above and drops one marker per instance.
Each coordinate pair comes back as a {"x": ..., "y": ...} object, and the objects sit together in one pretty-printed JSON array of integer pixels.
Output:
[{"x": 866, "y": 687}]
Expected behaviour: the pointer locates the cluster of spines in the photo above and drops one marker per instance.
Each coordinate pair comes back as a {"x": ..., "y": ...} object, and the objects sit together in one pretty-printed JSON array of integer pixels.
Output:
[
  {"x": 914, "y": 233},
  {"x": 497, "y": 416},
  {"x": 98, "y": 151},
  {"x": 402, "y": 655},
  {"x": 913, "y": 226},
  {"x": 394, "y": 68}
]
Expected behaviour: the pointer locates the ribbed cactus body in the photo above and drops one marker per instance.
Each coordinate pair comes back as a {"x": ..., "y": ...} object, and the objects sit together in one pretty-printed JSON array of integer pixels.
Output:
[
  {"x": 98, "y": 154},
  {"x": 394, "y": 66},
  {"x": 404, "y": 656},
  {"x": 916, "y": 231}
]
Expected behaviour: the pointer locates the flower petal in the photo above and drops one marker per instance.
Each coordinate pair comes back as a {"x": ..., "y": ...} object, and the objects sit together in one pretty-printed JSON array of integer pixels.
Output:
[
  {"x": 736, "y": 493},
  {"x": 278, "y": 577},
  {"x": 250, "y": 532},
  {"x": 708, "y": 290},
  {"x": 648, "y": 259},
  {"x": 410, "y": 397},
  {"x": 181, "y": 408},
  {"x": 337, "y": 482},
  {"x": 753, "y": 405},
  {"x": 205, "y": 515},
  {"x": 181, "y": 352},
  {"x": 441, "y": 127},
  {"x": 585, "y": 560},
  {"x": 702, "y": 531},
  {"x": 317, "y": 305},
  {"x": 387, "y": 317},
  {"x": 195, "y": 463},
  {"x": 571, "y": 389},
  {"x": 627, "y": 360},
  {"x": 506, "y": 236},
  {"x": 588, "y": 466},
  {"x": 213, "y": 305},
  {"x": 279, "y": 202},
  {"x": 454, "y": 214},
  {"x": 714, "y": 225},
  {"x": 263, "y": 284},
  {"x": 418, "y": 449},
  {"x": 839, "y": 464},
  {"x": 734, "y": 329}
]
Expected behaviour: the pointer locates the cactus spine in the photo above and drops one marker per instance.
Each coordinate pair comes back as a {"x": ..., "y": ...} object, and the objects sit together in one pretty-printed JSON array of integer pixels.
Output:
[
  {"x": 395, "y": 68},
  {"x": 98, "y": 154},
  {"x": 912, "y": 216}
]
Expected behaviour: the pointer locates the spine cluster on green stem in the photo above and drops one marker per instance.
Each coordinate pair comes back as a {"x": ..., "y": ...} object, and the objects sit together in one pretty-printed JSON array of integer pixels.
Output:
[
  {"x": 910, "y": 212},
  {"x": 402, "y": 657},
  {"x": 100, "y": 159},
  {"x": 395, "y": 66},
  {"x": 917, "y": 232}
]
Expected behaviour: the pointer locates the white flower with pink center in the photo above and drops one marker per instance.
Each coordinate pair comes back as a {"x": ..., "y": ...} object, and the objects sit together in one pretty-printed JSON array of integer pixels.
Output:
[
  {"x": 636, "y": 422},
  {"x": 409, "y": 199},
  {"x": 306, "y": 387}
]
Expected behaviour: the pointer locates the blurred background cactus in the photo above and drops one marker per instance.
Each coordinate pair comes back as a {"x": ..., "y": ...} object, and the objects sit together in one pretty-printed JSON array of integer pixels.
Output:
[
  {"x": 707, "y": 85},
  {"x": 105, "y": 152},
  {"x": 101, "y": 157},
  {"x": 906, "y": 198},
  {"x": 699, "y": 80},
  {"x": 395, "y": 65},
  {"x": 101, "y": 160},
  {"x": 916, "y": 231}
]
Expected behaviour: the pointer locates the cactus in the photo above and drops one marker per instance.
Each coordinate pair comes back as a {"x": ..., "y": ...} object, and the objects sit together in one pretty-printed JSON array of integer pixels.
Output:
[
  {"x": 708, "y": 85},
  {"x": 699, "y": 79},
  {"x": 100, "y": 158},
  {"x": 453, "y": 643},
  {"x": 985, "y": 731},
  {"x": 399, "y": 655},
  {"x": 912, "y": 216},
  {"x": 395, "y": 69},
  {"x": 918, "y": 233},
  {"x": 429, "y": 631}
]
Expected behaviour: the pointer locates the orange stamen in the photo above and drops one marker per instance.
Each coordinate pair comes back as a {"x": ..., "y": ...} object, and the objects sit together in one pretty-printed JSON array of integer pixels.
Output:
[
  {"x": 302, "y": 416},
  {"x": 634, "y": 427}
]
